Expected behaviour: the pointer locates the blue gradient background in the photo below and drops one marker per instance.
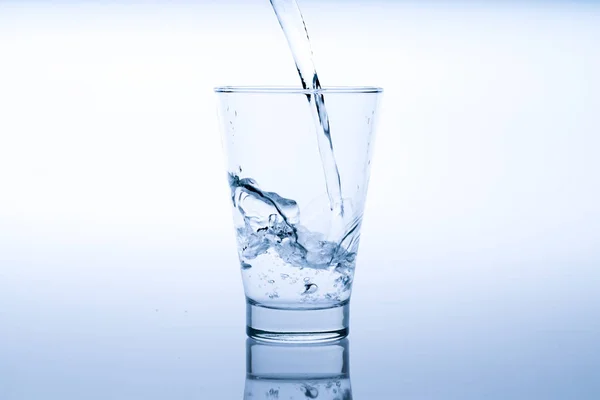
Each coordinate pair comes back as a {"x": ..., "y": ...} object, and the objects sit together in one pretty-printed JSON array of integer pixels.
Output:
[{"x": 479, "y": 270}]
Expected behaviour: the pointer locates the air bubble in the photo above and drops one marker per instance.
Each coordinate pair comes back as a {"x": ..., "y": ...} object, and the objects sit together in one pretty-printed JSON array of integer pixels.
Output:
[
  {"x": 310, "y": 288},
  {"x": 309, "y": 391},
  {"x": 245, "y": 265}
]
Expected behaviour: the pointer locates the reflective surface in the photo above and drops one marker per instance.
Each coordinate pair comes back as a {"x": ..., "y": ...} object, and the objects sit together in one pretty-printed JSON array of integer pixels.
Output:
[
  {"x": 298, "y": 371},
  {"x": 100, "y": 323}
]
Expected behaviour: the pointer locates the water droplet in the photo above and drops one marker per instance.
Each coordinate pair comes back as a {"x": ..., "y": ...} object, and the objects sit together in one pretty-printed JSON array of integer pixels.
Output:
[
  {"x": 310, "y": 288},
  {"x": 246, "y": 265},
  {"x": 284, "y": 276},
  {"x": 306, "y": 279},
  {"x": 309, "y": 391},
  {"x": 235, "y": 113},
  {"x": 271, "y": 281}
]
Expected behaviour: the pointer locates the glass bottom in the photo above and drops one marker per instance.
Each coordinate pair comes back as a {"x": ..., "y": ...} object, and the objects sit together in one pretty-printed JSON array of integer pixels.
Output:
[{"x": 297, "y": 325}]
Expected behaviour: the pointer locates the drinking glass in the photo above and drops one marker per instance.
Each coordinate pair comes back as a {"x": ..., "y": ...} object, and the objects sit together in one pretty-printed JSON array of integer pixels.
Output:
[{"x": 297, "y": 241}]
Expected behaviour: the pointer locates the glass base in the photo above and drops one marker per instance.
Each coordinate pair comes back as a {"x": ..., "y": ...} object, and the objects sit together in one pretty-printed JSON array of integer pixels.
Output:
[{"x": 297, "y": 325}]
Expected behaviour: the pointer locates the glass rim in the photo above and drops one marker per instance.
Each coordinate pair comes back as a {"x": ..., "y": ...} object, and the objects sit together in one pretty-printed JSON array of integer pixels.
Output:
[{"x": 297, "y": 90}]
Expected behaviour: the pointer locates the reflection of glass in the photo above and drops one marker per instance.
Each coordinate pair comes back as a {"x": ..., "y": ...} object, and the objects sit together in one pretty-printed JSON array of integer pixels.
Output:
[
  {"x": 297, "y": 371},
  {"x": 297, "y": 220}
]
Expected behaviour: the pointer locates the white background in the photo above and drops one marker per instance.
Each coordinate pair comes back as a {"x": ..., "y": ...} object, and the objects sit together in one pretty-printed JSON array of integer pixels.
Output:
[
  {"x": 487, "y": 139},
  {"x": 482, "y": 214}
]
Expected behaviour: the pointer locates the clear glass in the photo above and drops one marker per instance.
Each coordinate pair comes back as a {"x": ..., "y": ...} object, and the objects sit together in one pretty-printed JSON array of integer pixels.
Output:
[
  {"x": 297, "y": 251},
  {"x": 300, "y": 371}
]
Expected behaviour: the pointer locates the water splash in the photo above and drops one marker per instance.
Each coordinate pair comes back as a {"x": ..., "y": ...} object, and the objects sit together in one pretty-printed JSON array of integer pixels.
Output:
[{"x": 270, "y": 223}]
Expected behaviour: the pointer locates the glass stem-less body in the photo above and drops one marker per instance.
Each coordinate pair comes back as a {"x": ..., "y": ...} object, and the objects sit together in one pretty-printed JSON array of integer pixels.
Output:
[{"x": 297, "y": 253}]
